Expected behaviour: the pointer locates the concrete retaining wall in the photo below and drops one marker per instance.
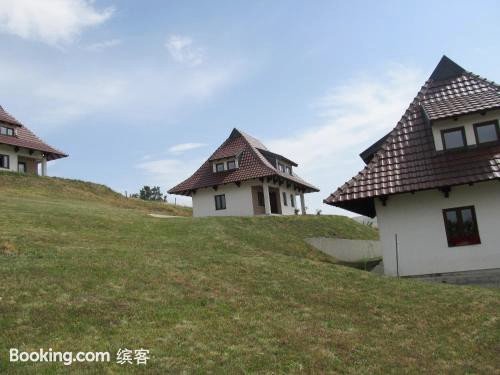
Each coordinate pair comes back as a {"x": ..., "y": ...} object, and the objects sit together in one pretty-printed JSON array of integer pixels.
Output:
[{"x": 347, "y": 250}]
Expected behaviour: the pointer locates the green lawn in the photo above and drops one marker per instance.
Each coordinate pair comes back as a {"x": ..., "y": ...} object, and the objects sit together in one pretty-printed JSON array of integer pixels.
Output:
[{"x": 82, "y": 269}]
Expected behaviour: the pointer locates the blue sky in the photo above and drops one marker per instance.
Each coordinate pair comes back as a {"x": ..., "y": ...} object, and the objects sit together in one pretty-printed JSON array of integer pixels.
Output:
[{"x": 141, "y": 92}]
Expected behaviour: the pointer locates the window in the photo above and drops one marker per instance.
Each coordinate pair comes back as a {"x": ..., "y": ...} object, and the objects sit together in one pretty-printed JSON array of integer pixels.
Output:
[
  {"x": 231, "y": 164},
  {"x": 4, "y": 161},
  {"x": 461, "y": 226},
  {"x": 260, "y": 198},
  {"x": 453, "y": 138},
  {"x": 281, "y": 167},
  {"x": 219, "y": 167},
  {"x": 487, "y": 132},
  {"x": 21, "y": 167},
  {"x": 292, "y": 200},
  {"x": 220, "y": 202},
  {"x": 289, "y": 170},
  {"x": 284, "y": 199},
  {"x": 6, "y": 131}
]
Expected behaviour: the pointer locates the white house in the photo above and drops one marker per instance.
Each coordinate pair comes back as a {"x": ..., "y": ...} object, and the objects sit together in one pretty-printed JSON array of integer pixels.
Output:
[
  {"x": 434, "y": 181},
  {"x": 244, "y": 178},
  {"x": 21, "y": 150}
]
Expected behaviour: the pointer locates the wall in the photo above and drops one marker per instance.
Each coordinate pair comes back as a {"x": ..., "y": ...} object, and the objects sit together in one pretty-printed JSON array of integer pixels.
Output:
[
  {"x": 258, "y": 210},
  {"x": 31, "y": 164},
  {"x": 239, "y": 200},
  {"x": 417, "y": 219},
  {"x": 467, "y": 122},
  {"x": 288, "y": 209},
  {"x": 347, "y": 250},
  {"x": 13, "y": 156}
]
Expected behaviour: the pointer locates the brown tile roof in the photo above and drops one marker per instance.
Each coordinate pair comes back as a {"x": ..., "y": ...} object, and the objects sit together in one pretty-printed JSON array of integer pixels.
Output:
[
  {"x": 407, "y": 161},
  {"x": 26, "y": 138},
  {"x": 252, "y": 164},
  {"x": 483, "y": 96},
  {"x": 8, "y": 118}
]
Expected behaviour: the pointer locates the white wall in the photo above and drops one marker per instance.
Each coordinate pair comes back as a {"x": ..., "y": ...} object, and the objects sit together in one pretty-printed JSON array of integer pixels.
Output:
[
  {"x": 13, "y": 156},
  {"x": 9, "y": 150},
  {"x": 417, "y": 219},
  {"x": 467, "y": 122},
  {"x": 238, "y": 200},
  {"x": 287, "y": 210}
]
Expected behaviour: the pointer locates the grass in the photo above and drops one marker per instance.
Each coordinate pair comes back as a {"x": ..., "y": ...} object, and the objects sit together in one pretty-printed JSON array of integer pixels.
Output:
[
  {"x": 82, "y": 269},
  {"x": 41, "y": 188}
]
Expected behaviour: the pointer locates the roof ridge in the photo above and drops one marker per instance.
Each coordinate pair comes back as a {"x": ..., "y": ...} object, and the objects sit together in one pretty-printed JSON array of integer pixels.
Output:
[
  {"x": 7, "y": 117},
  {"x": 486, "y": 80},
  {"x": 256, "y": 151}
]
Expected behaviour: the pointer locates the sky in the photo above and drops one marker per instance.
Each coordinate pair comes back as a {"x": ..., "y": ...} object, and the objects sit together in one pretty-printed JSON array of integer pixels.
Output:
[{"x": 142, "y": 92}]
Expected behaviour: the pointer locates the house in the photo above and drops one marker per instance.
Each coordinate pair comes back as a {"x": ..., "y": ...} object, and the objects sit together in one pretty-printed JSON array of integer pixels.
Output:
[
  {"x": 434, "y": 181},
  {"x": 244, "y": 178},
  {"x": 21, "y": 150}
]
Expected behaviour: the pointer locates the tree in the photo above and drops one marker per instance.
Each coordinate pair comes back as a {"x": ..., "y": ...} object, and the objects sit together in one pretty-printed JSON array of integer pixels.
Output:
[
  {"x": 145, "y": 193},
  {"x": 148, "y": 193},
  {"x": 156, "y": 194}
]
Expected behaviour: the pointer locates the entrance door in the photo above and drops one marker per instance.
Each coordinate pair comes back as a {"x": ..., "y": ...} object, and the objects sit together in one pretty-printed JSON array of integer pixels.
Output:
[
  {"x": 274, "y": 202},
  {"x": 21, "y": 167}
]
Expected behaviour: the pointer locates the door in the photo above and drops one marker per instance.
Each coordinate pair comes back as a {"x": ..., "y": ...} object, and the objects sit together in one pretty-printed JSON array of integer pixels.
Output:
[
  {"x": 21, "y": 167},
  {"x": 274, "y": 202}
]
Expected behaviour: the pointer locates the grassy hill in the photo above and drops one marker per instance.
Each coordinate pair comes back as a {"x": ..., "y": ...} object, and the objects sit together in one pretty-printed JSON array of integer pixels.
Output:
[{"x": 83, "y": 269}]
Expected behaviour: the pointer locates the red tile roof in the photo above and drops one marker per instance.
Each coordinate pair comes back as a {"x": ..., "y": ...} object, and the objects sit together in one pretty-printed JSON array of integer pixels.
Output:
[
  {"x": 25, "y": 138},
  {"x": 406, "y": 159},
  {"x": 252, "y": 164}
]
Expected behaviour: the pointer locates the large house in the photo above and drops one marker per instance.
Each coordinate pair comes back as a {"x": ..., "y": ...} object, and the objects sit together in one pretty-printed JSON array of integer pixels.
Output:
[
  {"x": 21, "y": 150},
  {"x": 434, "y": 181},
  {"x": 244, "y": 178}
]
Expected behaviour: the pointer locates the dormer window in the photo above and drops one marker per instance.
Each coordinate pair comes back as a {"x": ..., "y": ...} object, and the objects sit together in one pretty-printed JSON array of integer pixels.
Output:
[
  {"x": 231, "y": 164},
  {"x": 487, "y": 132},
  {"x": 6, "y": 131},
  {"x": 219, "y": 167},
  {"x": 453, "y": 138}
]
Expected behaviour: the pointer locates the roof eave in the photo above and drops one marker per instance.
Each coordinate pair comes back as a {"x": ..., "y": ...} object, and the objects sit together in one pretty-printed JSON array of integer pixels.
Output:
[
  {"x": 456, "y": 115},
  {"x": 364, "y": 206}
]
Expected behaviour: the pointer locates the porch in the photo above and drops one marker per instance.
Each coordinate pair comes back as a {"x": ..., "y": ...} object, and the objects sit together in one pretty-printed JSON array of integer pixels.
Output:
[
  {"x": 30, "y": 165},
  {"x": 268, "y": 200}
]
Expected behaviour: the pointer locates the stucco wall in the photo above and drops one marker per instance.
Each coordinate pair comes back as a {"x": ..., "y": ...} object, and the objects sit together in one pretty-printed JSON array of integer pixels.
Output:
[
  {"x": 13, "y": 156},
  {"x": 347, "y": 250},
  {"x": 417, "y": 219},
  {"x": 238, "y": 200},
  {"x": 466, "y": 121}
]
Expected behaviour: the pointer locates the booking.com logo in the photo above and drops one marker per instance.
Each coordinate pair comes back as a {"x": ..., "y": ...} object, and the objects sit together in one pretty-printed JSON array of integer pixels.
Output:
[{"x": 67, "y": 358}]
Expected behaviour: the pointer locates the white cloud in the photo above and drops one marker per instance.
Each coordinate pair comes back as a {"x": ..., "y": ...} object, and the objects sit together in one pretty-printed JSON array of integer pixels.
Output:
[
  {"x": 99, "y": 46},
  {"x": 183, "y": 50},
  {"x": 139, "y": 94},
  {"x": 76, "y": 98},
  {"x": 183, "y": 147},
  {"x": 50, "y": 21},
  {"x": 352, "y": 117}
]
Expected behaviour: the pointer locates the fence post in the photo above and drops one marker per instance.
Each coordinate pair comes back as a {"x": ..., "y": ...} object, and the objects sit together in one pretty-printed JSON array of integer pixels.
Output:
[{"x": 397, "y": 254}]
